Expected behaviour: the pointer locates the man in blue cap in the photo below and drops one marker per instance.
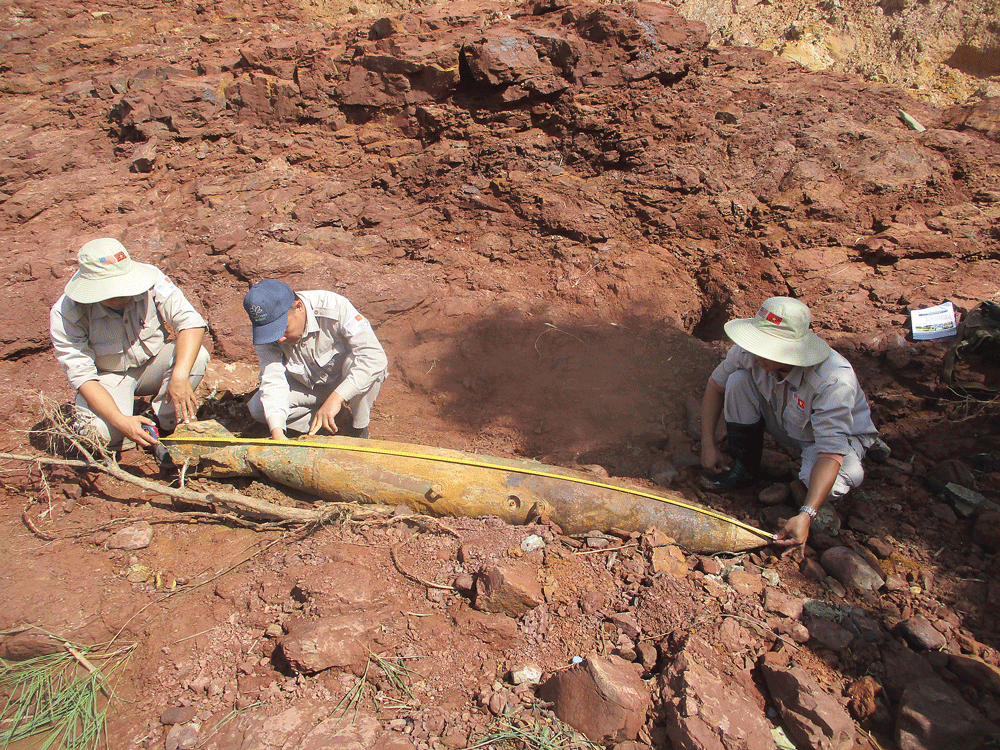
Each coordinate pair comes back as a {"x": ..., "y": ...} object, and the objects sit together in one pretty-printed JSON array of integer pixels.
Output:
[
  {"x": 316, "y": 353},
  {"x": 782, "y": 378}
]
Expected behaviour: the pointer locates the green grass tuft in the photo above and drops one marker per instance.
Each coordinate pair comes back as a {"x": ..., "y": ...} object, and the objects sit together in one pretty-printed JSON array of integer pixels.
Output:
[{"x": 58, "y": 697}]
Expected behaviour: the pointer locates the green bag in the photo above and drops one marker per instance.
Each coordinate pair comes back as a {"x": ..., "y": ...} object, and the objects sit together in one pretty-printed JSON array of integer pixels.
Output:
[{"x": 972, "y": 364}]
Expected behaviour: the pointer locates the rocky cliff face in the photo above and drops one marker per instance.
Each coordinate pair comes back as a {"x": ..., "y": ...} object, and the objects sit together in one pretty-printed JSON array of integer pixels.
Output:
[{"x": 942, "y": 52}]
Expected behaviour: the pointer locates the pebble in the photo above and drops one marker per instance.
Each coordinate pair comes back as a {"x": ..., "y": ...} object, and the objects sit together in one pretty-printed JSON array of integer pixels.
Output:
[
  {"x": 921, "y": 634},
  {"x": 881, "y": 548},
  {"x": 531, "y": 543}
]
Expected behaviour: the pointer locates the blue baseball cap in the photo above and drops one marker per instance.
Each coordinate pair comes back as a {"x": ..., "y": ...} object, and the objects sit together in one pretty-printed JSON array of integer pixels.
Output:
[{"x": 267, "y": 304}]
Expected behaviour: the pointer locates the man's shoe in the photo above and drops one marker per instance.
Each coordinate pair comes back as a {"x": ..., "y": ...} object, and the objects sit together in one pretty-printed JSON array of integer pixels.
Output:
[
  {"x": 735, "y": 477},
  {"x": 355, "y": 432}
]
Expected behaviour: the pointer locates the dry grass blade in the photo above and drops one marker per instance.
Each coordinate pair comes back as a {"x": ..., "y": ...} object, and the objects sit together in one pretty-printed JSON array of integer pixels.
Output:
[
  {"x": 353, "y": 697},
  {"x": 396, "y": 672},
  {"x": 545, "y": 733},
  {"x": 54, "y": 697}
]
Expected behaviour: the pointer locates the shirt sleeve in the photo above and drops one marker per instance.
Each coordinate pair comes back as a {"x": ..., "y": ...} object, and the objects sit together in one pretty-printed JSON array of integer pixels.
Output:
[
  {"x": 274, "y": 389},
  {"x": 70, "y": 341},
  {"x": 832, "y": 418},
  {"x": 368, "y": 359},
  {"x": 174, "y": 307},
  {"x": 734, "y": 361}
]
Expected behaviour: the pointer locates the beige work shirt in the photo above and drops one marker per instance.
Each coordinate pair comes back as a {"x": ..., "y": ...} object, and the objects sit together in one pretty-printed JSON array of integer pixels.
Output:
[
  {"x": 91, "y": 339},
  {"x": 821, "y": 404},
  {"x": 335, "y": 335}
]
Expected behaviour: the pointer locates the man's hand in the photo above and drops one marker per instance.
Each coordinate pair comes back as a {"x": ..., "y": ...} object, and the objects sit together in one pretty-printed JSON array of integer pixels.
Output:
[
  {"x": 324, "y": 417},
  {"x": 712, "y": 459},
  {"x": 131, "y": 427},
  {"x": 794, "y": 535},
  {"x": 181, "y": 395}
]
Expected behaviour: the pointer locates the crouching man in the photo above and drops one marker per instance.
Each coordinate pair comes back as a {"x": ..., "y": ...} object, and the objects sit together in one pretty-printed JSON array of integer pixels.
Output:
[
  {"x": 782, "y": 378},
  {"x": 109, "y": 333},
  {"x": 317, "y": 353}
]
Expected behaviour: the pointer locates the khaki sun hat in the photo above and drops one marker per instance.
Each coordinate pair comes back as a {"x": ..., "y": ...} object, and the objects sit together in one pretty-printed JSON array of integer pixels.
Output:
[
  {"x": 780, "y": 332},
  {"x": 107, "y": 271}
]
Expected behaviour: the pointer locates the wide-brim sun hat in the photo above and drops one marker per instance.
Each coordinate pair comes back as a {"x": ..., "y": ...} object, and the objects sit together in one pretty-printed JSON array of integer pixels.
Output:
[
  {"x": 267, "y": 305},
  {"x": 780, "y": 332},
  {"x": 107, "y": 271}
]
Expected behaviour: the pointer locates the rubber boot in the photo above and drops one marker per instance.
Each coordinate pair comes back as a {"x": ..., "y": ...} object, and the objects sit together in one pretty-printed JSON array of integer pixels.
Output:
[{"x": 745, "y": 448}]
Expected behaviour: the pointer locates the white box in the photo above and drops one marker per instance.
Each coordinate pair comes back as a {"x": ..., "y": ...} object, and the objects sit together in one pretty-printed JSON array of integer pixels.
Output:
[{"x": 936, "y": 322}]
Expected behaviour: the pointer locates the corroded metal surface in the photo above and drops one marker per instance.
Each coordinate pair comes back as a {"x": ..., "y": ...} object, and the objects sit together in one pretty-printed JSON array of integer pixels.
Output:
[{"x": 442, "y": 482}]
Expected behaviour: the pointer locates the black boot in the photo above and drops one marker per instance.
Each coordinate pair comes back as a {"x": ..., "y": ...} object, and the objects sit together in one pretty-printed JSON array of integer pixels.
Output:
[{"x": 745, "y": 448}]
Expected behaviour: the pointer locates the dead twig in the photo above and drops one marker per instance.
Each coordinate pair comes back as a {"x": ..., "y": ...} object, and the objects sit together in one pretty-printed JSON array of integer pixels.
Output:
[
  {"x": 416, "y": 579},
  {"x": 233, "y": 499},
  {"x": 34, "y": 529},
  {"x": 606, "y": 549},
  {"x": 89, "y": 667}
]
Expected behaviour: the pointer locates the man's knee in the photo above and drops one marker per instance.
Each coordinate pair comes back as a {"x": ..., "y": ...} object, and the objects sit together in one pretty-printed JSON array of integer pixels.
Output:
[{"x": 256, "y": 408}]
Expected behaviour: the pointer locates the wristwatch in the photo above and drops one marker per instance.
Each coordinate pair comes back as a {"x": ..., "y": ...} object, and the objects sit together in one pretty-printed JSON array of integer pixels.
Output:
[{"x": 811, "y": 512}]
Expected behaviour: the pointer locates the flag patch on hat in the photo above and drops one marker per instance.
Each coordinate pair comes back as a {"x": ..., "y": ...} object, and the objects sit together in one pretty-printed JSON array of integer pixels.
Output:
[
  {"x": 769, "y": 316},
  {"x": 116, "y": 258}
]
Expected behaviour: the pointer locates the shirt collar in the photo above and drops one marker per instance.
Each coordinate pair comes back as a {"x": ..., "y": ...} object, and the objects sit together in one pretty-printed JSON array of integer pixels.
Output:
[
  {"x": 97, "y": 310},
  {"x": 794, "y": 377},
  {"x": 312, "y": 325}
]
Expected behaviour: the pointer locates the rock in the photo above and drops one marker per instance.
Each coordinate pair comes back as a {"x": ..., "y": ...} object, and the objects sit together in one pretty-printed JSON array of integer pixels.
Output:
[
  {"x": 136, "y": 536},
  {"x": 986, "y": 531},
  {"x": 965, "y": 501},
  {"x": 311, "y": 647},
  {"x": 835, "y": 587},
  {"x": 983, "y": 115},
  {"x": 976, "y": 672},
  {"x": 710, "y": 566},
  {"x": 602, "y": 697},
  {"x": 510, "y": 588},
  {"x": 531, "y": 543},
  {"x": 829, "y": 634},
  {"x": 812, "y": 570},
  {"x": 934, "y": 716},
  {"x": 850, "y": 569},
  {"x": 182, "y": 737},
  {"x": 775, "y": 494},
  {"x": 812, "y": 717},
  {"x": 880, "y": 548},
  {"x": 669, "y": 560},
  {"x": 862, "y": 695},
  {"x": 178, "y": 715},
  {"x": 783, "y": 604},
  {"x": 663, "y": 472},
  {"x": 902, "y": 667},
  {"x": 144, "y": 157},
  {"x": 648, "y": 655},
  {"x": 526, "y": 674},
  {"x": 920, "y": 634},
  {"x": 627, "y": 623},
  {"x": 745, "y": 583},
  {"x": 705, "y": 709},
  {"x": 28, "y": 645}
]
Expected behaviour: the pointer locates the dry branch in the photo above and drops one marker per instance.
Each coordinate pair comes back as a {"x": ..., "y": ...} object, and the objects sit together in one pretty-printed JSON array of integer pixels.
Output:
[{"x": 231, "y": 499}]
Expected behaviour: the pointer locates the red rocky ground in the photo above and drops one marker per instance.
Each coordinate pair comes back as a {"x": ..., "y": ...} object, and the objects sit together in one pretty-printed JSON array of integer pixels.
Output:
[{"x": 548, "y": 211}]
